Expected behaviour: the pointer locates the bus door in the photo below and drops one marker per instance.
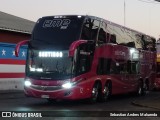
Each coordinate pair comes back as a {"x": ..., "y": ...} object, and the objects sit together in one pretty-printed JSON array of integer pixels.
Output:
[{"x": 85, "y": 54}]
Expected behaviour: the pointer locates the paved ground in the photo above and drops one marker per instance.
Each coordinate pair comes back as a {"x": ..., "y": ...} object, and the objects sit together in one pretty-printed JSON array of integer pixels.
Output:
[
  {"x": 11, "y": 94},
  {"x": 150, "y": 100},
  {"x": 16, "y": 101}
]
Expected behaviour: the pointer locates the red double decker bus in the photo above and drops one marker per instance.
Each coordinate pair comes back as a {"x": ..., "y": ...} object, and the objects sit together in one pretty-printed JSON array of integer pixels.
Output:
[{"x": 78, "y": 57}]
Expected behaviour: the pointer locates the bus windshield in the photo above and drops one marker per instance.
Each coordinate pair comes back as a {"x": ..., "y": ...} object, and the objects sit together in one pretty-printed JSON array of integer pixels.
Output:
[
  {"x": 56, "y": 32},
  {"x": 49, "y": 65}
]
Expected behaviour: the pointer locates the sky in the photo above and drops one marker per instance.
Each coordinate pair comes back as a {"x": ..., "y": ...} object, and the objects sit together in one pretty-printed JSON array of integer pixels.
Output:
[{"x": 140, "y": 15}]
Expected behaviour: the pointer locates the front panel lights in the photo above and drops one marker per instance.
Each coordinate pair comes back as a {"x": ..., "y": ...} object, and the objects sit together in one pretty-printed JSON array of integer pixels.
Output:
[
  {"x": 27, "y": 83},
  {"x": 36, "y": 69},
  {"x": 67, "y": 85},
  {"x": 50, "y": 54}
]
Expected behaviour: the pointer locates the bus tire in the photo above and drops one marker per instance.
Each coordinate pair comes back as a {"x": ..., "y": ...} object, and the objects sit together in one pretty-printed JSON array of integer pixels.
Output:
[
  {"x": 95, "y": 93},
  {"x": 140, "y": 89},
  {"x": 107, "y": 92},
  {"x": 145, "y": 88}
]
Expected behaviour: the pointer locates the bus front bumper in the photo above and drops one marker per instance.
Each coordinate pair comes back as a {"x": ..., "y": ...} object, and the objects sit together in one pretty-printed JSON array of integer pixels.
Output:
[{"x": 68, "y": 94}]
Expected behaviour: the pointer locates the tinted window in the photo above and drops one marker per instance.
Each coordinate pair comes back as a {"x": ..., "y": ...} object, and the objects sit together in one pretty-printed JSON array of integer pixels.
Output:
[
  {"x": 90, "y": 29},
  {"x": 117, "y": 68},
  {"x": 56, "y": 32},
  {"x": 132, "y": 67},
  {"x": 149, "y": 43},
  {"x": 102, "y": 36},
  {"x": 138, "y": 42},
  {"x": 111, "y": 36},
  {"x": 103, "y": 66}
]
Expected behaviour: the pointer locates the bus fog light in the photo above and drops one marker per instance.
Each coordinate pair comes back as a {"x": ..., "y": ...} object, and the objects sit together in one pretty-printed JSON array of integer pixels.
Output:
[
  {"x": 27, "y": 83},
  {"x": 67, "y": 85}
]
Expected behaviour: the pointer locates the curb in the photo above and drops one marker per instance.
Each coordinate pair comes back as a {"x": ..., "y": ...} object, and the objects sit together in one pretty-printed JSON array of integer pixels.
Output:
[{"x": 143, "y": 105}]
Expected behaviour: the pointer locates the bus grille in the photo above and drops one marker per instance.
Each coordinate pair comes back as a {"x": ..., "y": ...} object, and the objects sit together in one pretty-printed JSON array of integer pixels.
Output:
[{"x": 46, "y": 88}]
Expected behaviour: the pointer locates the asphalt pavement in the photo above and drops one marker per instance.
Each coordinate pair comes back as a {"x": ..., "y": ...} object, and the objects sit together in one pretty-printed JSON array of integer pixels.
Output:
[
  {"x": 151, "y": 100},
  {"x": 11, "y": 94}
]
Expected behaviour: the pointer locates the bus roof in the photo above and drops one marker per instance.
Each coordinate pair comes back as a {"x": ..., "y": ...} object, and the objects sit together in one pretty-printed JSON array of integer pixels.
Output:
[{"x": 100, "y": 19}]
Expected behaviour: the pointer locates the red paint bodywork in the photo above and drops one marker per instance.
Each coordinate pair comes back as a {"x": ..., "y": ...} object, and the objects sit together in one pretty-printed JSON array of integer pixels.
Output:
[
  {"x": 74, "y": 45},
  {"x": 157, "y": 84},
  {"x": 19, "y": 45}
]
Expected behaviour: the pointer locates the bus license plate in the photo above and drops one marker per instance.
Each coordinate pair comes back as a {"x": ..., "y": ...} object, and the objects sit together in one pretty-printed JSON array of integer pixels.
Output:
[{"x": 44, "y": 96}]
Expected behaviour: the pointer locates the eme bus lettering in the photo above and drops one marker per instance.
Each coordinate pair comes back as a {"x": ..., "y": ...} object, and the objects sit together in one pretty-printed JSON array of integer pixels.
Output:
[
  {"x": 53, "y": 72},
  {"x": 62, "y": 23}
]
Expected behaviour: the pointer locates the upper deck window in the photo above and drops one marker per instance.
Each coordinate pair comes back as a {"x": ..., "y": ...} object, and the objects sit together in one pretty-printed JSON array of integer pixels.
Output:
[
  {"x": 102, "y": 36},
  {"x": 90, "y": 29}
]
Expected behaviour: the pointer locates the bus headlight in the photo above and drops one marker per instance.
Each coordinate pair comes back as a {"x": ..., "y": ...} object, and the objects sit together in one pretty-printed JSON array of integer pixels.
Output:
[
  {"x": 67, "y": 85},
  {"x": 27, "y": 83}
]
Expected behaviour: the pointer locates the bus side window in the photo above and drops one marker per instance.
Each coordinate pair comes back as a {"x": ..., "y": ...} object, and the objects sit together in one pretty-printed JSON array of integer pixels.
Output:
[
  {"x": 103, "y": 66},
  {"x": 108, "y": 37},
  {"x": 86, "y": 31},
  {"x": 114, "y": 68},
  {"x": 133, "y": 67},
  {"x": 113, "y": 39},
  {"x": 90, "y": 29},
  {"x": 118, "y": 68},
  {"x": 102, "y": 36}
]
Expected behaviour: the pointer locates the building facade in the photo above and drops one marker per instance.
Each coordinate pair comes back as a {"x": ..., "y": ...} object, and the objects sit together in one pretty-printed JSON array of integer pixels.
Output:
[{"x": 13, "y": 29}]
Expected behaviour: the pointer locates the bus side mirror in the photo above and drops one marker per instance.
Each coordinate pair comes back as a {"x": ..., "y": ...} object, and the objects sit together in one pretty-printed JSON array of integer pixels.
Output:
[
  {"x": 74, "y": 45},
  {"x": 19, "y": 45}
]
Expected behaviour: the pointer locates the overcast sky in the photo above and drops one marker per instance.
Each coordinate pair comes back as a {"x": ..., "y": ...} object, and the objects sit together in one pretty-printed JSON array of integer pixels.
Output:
[{"x": 141, "y": 16}]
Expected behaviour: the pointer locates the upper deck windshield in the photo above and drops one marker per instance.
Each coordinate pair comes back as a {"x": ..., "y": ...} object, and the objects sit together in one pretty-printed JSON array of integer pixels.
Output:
[{"x": 56, "y": 32}]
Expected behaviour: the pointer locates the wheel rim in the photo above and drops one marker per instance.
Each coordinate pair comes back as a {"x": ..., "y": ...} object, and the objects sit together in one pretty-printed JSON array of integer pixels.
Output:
[
  {"x": 106, "y": 93},
  {"x": 145, "y": 88},
  {"x": 140, "y": 91},
  {"x": 95, "y": 92}
]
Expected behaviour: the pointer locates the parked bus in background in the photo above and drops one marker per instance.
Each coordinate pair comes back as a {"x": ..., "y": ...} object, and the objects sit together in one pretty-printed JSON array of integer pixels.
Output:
[
  {"x": 157, "y": 81},
  {"x": 79, "y": 57}
]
